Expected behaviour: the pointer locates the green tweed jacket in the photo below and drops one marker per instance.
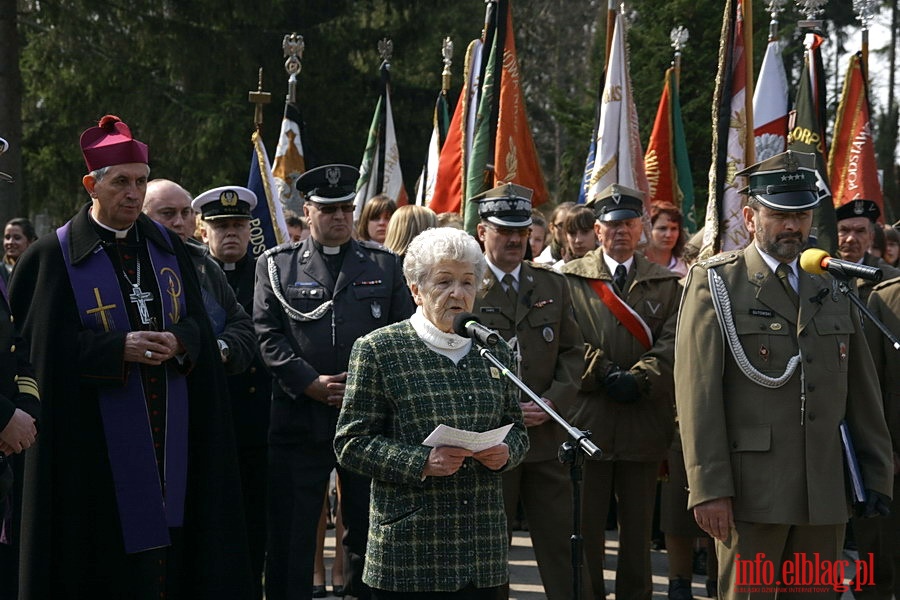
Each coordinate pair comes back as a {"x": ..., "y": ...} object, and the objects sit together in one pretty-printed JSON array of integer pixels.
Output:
[{"x": 440, "y": 533}]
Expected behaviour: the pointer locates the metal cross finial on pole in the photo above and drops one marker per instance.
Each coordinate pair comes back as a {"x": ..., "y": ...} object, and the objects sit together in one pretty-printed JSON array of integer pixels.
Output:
[
  {"x": 679, "y": 36},
  {"x": 865, "y": 14},
  {"x": 447, "y": 53},
  {"x": 812, "y": 9},
  {"x": 260, "y": 99},
  {"x": 293, "y": 46},
  {"x": 775, "y": 8}
]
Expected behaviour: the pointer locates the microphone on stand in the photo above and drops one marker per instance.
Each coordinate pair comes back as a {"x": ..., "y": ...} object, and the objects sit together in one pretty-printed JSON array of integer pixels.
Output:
[
  {"x": 817, "y": 262},
  {"x": 469, "y": 326}
]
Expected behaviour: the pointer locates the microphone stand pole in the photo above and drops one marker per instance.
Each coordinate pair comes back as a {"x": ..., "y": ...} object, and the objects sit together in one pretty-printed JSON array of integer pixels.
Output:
[
  {"x": 571, "y": 453},
  {"x": 844, "y": 288}
]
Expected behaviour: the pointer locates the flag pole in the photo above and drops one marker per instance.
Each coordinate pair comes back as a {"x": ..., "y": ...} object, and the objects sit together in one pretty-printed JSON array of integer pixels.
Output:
[
  {"x": 386, "y": 52},
  {"x": 447, "y": 54},
  {"x": 293, "y": 46},
  {"x": 865, "y": 14},
  {"x": 610, "y": 29},
  {"x": 679, "y": 36},
  {"x": 259, "y": 98}
]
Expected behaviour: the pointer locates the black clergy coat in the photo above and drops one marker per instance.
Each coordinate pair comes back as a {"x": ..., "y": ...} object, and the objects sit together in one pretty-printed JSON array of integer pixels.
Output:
[{"x": 72, "y": 541}]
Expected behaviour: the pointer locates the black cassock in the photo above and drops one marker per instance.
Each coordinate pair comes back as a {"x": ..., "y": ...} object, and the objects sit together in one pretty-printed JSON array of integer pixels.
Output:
[{"x": 72, "y": 543}]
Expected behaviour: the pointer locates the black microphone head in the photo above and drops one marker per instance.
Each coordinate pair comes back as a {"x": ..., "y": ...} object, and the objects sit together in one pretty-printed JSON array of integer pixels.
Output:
[{"x": 461, "y": 320}]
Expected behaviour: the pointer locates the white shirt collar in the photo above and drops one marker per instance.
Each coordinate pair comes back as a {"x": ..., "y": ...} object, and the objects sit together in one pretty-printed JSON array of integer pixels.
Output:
[
  {"x": 611, "y": 264},
  {"x": 499, "y": 273}
]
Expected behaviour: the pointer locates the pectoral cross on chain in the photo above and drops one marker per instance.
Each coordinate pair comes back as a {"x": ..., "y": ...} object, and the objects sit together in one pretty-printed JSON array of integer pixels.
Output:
[{"x": 140, "y": 297}]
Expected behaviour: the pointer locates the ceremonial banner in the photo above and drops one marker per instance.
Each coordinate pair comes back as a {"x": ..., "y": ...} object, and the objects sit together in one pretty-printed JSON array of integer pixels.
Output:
[
  {"x": 449, "y": 188},
  {"x": 732, "y": 148},
  {"x": 379, "y": 172},
  {"x": 440, "y": 126},
  {"x": 851, "y": 163},
  {"x": 498, "y": 148},
  {"x": 666, "y": 161},
  {"x": 289, "y": 162},
  {"x": 619, "y": 157},
  {"x": 807, "y": 134},
  {"x": 267, "y": 227},
  {"x": 770, "y": 105}
]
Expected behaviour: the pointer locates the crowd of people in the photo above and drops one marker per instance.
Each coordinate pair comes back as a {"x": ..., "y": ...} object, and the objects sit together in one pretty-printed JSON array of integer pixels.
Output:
[{"x": 174, "y": 413}]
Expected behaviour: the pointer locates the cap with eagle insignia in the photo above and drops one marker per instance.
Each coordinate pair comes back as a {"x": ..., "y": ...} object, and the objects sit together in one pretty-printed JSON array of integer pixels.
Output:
[
  {"x": 226, "y": 202},
  {"x": 329, "y": 184},
  {"x": 858, "y": 208},
  {"x": 507, "y": 205},
  {"x": 618, "y": 203},
  {"x": 785, "y": 182}
]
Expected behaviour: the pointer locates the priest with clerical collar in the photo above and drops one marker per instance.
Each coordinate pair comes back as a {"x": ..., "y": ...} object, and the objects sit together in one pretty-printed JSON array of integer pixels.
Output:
[
  {"x": 134, "y": 486},
  {"x": 312, "y": 300}
]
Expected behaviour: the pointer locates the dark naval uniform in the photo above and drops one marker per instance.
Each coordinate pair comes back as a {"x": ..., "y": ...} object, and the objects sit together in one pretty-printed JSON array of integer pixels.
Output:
[
  {"x": 308, "y": 311},
  {"x": 18, "y": 389},
  {"x": 251, "y": 401}
]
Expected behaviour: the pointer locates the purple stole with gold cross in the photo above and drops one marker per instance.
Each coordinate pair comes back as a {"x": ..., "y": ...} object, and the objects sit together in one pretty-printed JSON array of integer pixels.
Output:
[{"x": 147, "y": 508}]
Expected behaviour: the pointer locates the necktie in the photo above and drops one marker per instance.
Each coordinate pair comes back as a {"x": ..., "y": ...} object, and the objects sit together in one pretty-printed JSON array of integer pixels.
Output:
[
  {"x": 783, "y": 272},
  {"x": 620, "y": 276},
  {"x": 510, "y": 283}
]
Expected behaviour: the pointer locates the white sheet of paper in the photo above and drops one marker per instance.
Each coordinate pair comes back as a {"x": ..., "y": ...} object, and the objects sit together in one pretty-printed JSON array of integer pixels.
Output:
[{"x": 470, "y": 440}]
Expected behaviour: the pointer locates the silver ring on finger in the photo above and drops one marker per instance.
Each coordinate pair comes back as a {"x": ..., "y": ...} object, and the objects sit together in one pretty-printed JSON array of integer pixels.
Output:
[{"x": 148, "y": 355}]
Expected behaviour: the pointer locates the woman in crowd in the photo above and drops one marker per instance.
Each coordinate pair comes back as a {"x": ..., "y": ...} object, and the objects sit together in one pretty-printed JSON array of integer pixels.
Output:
[
  {"x": 580, "y": 235},
  {"x": 373, "y": 221},
  {"x": 667, "y": 238},
  {"x": 17, "y": 236},
  {"x": 539, "y": 233},
  {"x": 408, "y": 222},
  {"x": 891, "y": 246},
  {"x": 437, "y": 527}
]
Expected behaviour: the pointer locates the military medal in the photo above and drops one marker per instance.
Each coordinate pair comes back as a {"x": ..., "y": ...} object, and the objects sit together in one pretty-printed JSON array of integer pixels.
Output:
[
  {"x": 376, "y": 310},
  {"x": 548, "y": 334}
]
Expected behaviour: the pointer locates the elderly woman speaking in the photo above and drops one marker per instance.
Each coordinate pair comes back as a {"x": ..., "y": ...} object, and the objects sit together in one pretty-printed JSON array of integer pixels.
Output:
[{"x": 437, "y": 526}]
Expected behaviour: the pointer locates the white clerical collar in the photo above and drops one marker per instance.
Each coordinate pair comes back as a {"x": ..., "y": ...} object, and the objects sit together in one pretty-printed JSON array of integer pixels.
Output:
[
  {"x": 499, "y": 273},
  {"x": 331, "y": 250},
  {"x": 228, "y": 266},
  {"x": 121, "y": 234},
  {"x": 611, "y": 264}
]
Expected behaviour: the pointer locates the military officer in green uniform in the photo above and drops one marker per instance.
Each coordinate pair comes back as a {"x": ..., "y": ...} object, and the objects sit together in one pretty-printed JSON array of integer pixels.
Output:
[
  {"x": 765, "y": 356},
  {"x": 856, "y": 223},
  {"x": 530, "y": 306},
  {"x": 626, "y": 307}
]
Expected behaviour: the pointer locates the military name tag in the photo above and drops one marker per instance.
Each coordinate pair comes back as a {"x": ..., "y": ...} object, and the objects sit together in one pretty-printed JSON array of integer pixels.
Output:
[
  {"x": 761, "y": 312},
  {"x": 490, "y": 309}
]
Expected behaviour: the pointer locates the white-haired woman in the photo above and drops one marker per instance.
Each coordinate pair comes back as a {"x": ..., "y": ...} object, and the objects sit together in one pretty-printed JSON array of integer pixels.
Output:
[{"x": 437, "y": 527}]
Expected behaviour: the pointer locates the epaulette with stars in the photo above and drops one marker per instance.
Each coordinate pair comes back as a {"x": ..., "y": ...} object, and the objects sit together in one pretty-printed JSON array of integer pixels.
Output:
[{"x": 719, "y": 259}]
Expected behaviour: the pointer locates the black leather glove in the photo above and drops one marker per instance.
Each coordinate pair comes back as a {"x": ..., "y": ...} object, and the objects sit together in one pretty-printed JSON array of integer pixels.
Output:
[
  {"x": 876, "y": 505},
  {"x": 622, "y": 386}
]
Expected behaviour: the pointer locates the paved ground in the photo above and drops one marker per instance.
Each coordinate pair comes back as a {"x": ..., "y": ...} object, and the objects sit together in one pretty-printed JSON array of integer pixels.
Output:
[{"x": 525, "y": 582}]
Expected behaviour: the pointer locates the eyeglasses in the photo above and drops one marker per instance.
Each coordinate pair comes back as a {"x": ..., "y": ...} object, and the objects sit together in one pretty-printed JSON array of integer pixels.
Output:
[
  {"x": 330, "y": 209},
  {"x": 512, "y": 231}
]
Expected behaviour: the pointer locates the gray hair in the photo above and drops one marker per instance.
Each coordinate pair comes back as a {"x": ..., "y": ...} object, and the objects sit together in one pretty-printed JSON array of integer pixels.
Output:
[
  {"x": 437, "y": 244},
  {"x": 98, "y": 174}
]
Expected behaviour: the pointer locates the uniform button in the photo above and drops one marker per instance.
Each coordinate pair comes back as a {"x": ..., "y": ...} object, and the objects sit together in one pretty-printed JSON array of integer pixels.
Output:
[
  {"x": 11, "y": 318},
  {"x": 12, "y": 348},
  {"x": 809, "y": 359},
  {"x": 465, "y": 502},
  {"x": 812, "y": 416},
  {"x": 252, "y": 370},
  {"x": 811, "y": 387},
  {"x": 252, "y": 390},
  {"x": 734, "y": 444}
]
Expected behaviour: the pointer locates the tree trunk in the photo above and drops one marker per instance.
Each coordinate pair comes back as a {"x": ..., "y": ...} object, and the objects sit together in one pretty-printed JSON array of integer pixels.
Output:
[{"x": 10, "y": 112}]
